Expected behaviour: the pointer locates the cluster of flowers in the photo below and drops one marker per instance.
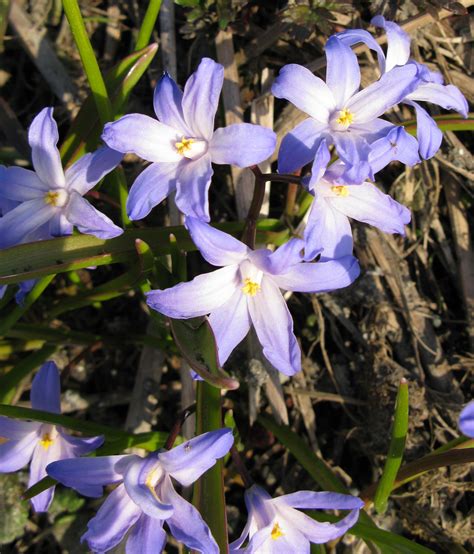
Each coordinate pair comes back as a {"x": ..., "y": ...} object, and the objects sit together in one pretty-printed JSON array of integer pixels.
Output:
[{"x": 181, "y": 146}]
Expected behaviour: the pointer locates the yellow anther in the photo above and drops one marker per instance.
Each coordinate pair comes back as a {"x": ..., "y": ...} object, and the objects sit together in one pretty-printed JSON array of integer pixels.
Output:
[
  {"x": 345, "y": 117},
  {"x": 184, "y": 145},
  {"x": 340, "y": 190},
  {"x": 46, "y": 441},
  {"x": 51, "y": 197},
  {"x": 250, "y": 287},
  {"x": 276, "y": 532}
]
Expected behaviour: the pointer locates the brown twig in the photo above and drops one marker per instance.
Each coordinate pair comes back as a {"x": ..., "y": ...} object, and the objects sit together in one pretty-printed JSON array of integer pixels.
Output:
[
  {"x": 250, "y": 229},
  {"x": 176, "y": 429}
]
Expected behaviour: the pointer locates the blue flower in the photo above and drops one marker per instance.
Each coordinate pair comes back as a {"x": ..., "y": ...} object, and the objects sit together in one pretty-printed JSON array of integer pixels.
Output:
[
  {"x": 246, "y": 291},
  {"x": 339, "y": 113},
  {"x": 145, "y": 497},
  {"x": 49, "y": 201},
  {"x": 183, "y": 143},
  {"x": 429, "y": 89},
  {"x": 466, "y": 420},
  {"x": 41, "y": 443},
  {"x": 275, "y": 525}
]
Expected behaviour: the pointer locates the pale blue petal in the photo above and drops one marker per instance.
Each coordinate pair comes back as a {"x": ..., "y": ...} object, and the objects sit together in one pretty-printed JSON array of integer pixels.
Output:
[
  {"x": 230, "y": 324},
  {"x": 80, "y": 446},
  {"x": 88, "y": 170},
  {"x": 428, "y": 133},
  {"x": 198, "y": 297},
  {"x": 201, "y": 98},
  {"x": 167, "y": 102},
  {"x": 308, "y": 93},
  {"x": 144, "y": 136},
  {"x": 274, "y": 327},
  {"x": 46, "y": 389},
  {"x": 354, "y": 151},
  {"x": 310, "y": 500},
  {"x": 194, "y": 179},
  {"x": 320, "y": 276},
  {"x": 281, "y": 259},
  {"x": 343, "y": 73},
  {"x": 327, "y": 231},
  {"x": 24, "y": 220},
  {"x": 397, "y": 145},
  {"x": 16, "y": 429},
  {"x": 398, "y": 42},
  {"x": 59, "y": 226},
  {"x": 15, "y": 454},
  {"x": 20, "y": 184},
  {"x": 43, "y": 137},
  {"x": 151, "y": 187},
  {"x": 466, "y": 420},
  {"x": 147, "y": 537},
  {"x": 23, "y": 289},
  {"x": 354, "y": 36},
  {"x": 42, "y": 456},
  {"x": 300, "y": 145},
  {"x": 448, "y": 97},
  {"x": 242, "y": 144},
  {"x": 188, "y": 461},
  {"x": 88, "y": 220},
  {"x": 217, "y": 248},
  {"x": 320, "y": 163},
  {"x": 115, "y": 517}
]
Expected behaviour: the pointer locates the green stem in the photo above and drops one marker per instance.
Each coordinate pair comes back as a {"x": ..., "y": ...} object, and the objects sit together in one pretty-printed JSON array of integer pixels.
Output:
[
  {"x": 19, "y": 310},
  {"x": 89, "y": 61},
  {"x": 148, "y": 24}
]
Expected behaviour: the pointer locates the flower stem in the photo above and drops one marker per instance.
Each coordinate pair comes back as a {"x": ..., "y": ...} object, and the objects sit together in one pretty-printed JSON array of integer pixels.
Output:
[
  {"x": 250, "y": 228},
  {"x": 240, "y": 466},
  {"x": 176, "y": 429}
]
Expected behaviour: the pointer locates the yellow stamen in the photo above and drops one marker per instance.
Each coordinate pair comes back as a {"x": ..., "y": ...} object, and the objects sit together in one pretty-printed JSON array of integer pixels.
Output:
[
  {"x": 184, "y": 145},
  {"x": 46, "y": 441},
  {"x": 250, "y": 287},
  {"x": 340, "y": 190},
  {"x": 345, "y": 117},
  {"x": 51, "y": 197},
  {"x": 276, "y": 532}
]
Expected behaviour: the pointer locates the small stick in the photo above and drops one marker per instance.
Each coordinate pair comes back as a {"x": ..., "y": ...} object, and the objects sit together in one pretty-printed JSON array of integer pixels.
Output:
[{"x": 175, "y": 430}]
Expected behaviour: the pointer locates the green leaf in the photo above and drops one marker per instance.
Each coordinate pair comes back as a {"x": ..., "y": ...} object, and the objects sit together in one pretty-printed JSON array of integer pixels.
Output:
[
  {"x": 33, "y": 260},
  {"x": 10, "y": 381},
  {"x": 148, "y": 24},
  {"x": 446, "y": 122},
  {"x": 84, "y": 133},
  {"x": 195, "y": 339},
  {"x": 395, "y": 451}
]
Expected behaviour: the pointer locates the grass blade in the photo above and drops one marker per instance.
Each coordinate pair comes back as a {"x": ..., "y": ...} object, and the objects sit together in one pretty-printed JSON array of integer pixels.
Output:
[{"x": 148, "y": 24}]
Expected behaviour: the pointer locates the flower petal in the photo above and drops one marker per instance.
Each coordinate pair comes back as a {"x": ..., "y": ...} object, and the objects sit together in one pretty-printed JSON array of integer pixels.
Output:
[
  {"x": 354, "y": 36},
  {"x": 201, "y": 97},
  {"x": 368, "y": 204},
  {"x": 291, "y": 540},
  {"x": 307, "y": 92},
  {"x": 300, "y": 145},
  {"x": 230, "y": 324},
  {"x": 354, "y": 151},
  {"x": 167, "y": 102},
  {"x": 188, "y": 461},
  {"x": 20, "y": 184},
  {"x": 428, "y": 133},
  {"x": 16, "y": 429},
  {"x": 194, "y": 179},
  {"x": 448, "y": 97},
  {"x": 59, "y": 226},
  {"x": 88, "y": 220},
  {"x": 43, "y": 137},
  {"x": 23, "y": 220},
  {"x": 144, "y": 136},
  {"x": 141, "y": 492},
  {"x": 398, "y": 42},
  {"x": 310, "y": 500},
  {"x": 382, "y": 95},
  {"x": 320, "y": 163},
  {"x": 150, "y": 188},
  {"x": 343, "y": 73},
  {"x": 397, "y": 145},
  {"x": 217, "y": 248},
  {"x": 198, "y": 297},
  {"x": 466, "y": 420},
  {"x": 114, "y": 518},
  {"x": 320, "y": 276},
  {"x": 274, "y": 327},
  {"x": 84, "y": 174},
  {"x": 23, "y": 289},
  {"x": 281, "y": 259},
  {"x": 80, "y": 446},
  {"x": 186, "y": 523},
  {"x": 15, "y": 454},
  {"x": 242, "y": 144},
  {"x": 327, "y": 231},
  {"x": 46, "y": 389},
  {"x": 147, "y": 537},
  {"x": 42, "y": 456},
  {"x": 86, "y": 475}
]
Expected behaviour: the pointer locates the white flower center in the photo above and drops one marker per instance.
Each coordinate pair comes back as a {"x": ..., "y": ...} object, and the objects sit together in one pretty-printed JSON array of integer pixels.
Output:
[
  {"x": 341, "y": 120},
  {"x": 56, "y": 197},
  {"x": 191, "y": 148},
  {"x": 251, "y": 278}
]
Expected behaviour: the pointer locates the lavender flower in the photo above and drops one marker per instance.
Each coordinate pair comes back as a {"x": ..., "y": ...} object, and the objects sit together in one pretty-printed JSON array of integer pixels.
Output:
[
  {"x": 183, "y": 143},
  {"x": 328, "y": 228},
  {"x": 49, "y": 196},
  {"x": 145, "y": 497},
  {"x": 274, "y": 525},
  {"x": 466, "y": 420},
  {"x": 42, "y": 443},
  {"x": 246, "y": 291},
  {"x": 339, "y": 112},
  {"x": 429, "y": 89}
]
